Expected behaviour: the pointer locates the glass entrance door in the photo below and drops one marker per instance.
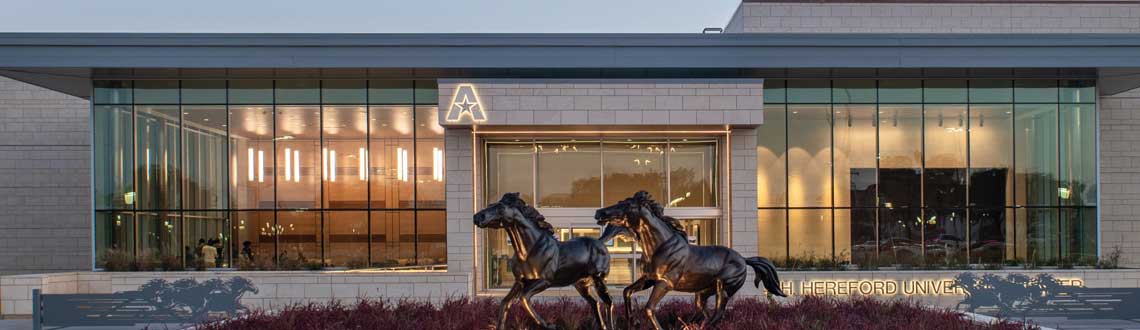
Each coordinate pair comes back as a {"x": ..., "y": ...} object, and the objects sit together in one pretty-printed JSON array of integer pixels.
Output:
[{"x": 568, "y": 179}]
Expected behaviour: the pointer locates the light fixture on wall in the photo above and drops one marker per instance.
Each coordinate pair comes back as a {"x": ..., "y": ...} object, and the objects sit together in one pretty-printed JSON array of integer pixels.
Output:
[
  {"x": 436, "y": 164},
  {"x": 324, "y": 164},
  {"x": 251, "y": 174},
  {"x": 332, "y": 165},
  {"x": 401, "y": 164},
  {"x": 296, "y": 166},
  {"x": 288, "y": 164},
  {"x": 260, "y": 166},
  {"x": 362, "y": 158},
  {"x": 147, "y": 164}
]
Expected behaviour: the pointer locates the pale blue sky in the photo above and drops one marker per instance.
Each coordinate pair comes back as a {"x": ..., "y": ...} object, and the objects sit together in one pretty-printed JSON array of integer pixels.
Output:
[{"x": 373, "y": 16}]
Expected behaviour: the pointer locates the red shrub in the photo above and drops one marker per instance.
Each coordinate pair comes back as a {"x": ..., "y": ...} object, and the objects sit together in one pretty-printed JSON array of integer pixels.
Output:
[{"x": 745, "y": 313}]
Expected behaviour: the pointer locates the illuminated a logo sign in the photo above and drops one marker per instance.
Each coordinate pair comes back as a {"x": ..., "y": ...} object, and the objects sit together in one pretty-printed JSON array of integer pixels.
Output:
[{"x": 466, "y": 102}]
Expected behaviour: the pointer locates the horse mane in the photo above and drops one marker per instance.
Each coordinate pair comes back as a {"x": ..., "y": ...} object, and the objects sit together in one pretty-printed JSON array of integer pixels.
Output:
[
  {"x": 659, "y": 211},
  {"x": 528, "y": 212}
]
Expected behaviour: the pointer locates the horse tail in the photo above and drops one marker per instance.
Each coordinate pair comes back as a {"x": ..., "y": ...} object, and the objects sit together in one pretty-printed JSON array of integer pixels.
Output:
[{"x": 766, "y": 273}]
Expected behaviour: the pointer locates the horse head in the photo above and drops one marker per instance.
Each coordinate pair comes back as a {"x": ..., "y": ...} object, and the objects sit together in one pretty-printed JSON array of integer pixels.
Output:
[
  {"x": 511, "y": 211},
  {"x": 239, "y": 285},
  {"x": 628, "y": 214},
  {"x": 625, "y": 214}
]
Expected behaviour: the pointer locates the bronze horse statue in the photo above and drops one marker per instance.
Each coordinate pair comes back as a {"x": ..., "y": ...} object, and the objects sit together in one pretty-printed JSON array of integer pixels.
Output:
[
  {"x": 669, "y": 262},
  {"x": 542, "y": 262}
]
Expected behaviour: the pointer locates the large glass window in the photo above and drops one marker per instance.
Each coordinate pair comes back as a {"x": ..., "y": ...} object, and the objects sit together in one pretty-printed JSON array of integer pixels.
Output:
[
  {"x": 268, "y": 174},
  {"x": 928, "y": 172},
  {"x": 573, "y": 177},
  {"x": 633, "y": 165},
  {"x": 570, "y": 173}
]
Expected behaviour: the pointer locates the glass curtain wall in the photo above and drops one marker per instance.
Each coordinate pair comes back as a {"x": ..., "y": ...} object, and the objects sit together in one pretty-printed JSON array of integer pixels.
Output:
[
  {"x": 927, "y": 172},
  {"x": 268, "y": 174}
]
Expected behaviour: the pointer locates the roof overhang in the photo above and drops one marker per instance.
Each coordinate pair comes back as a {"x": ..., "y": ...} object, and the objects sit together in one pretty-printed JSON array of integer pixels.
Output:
[{"x": 63, "y": 61}]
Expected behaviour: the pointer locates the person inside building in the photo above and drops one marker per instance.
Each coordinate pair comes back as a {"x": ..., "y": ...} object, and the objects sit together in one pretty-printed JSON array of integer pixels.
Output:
[{"x": 210, "y": 254}]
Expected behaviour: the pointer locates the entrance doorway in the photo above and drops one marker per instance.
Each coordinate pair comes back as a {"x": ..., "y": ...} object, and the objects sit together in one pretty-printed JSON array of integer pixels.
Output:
[{"x": 568, "y": 179}]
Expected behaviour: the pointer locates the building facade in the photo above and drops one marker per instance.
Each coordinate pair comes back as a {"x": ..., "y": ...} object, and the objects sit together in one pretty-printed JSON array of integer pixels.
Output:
[{"x": 824, "y": 135}]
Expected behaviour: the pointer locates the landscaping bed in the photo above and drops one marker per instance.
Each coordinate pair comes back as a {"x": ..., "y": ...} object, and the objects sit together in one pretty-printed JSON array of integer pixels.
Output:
[{"x": 746, "y": 313}]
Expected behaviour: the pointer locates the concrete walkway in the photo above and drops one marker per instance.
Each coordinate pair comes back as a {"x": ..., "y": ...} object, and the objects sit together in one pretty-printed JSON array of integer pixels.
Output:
[
  {"x": 26, "y": 324},
  {"x": 1065, "y": 323}
]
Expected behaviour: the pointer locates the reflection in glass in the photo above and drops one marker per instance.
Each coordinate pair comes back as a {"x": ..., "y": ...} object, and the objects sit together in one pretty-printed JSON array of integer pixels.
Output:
[
  {"x": 204, "y": 92},
  {"x": 158, "y": 160},
  {"x": 344, "y": 92},
  {"x": 1078, "y": 145},
  {"x": 114, "y": 238},
  {"x": 390, "y": 157},
  {"x": 510, "y": 167},
  {"x": 156, "y": 92},
  {"x": 855, "y": 176},
  {"x": 429, "y": 159},
  {"x": 809, "y": 91},
  {"x": 297, "y": 92},
  {"x": 773, "y": 233},
  {"x": 1035, "y": 91},
  {"x": 298, "y": 239},
  {"x": 809, "y": 154},
  {"x": 254, "y": 238},
  {"x": 900, "y": 91},
  {"x": 112, "y": 92},
  {"x": 853, "y": 91},
  {"x": 861, "y": 245},
  {"x": 991, "y": 91},
  {"x": 569, "y": 174},
  {"x": 900, "y": 236},
  {"x": 944, "y": 179},
  {"x": 945, "y": 237},
  {"x": 204, "y": 144},
  {"x": 991, "y": 155},
  {"x": 771, "y": 153},
  {"x": 1078, "y": 91},
  {"x": 301, "y": 163},
  {"x": 498, "y": 255},
  {"x": 393, "y": 238},
  {"x": 931, "y": 177},
  {"x": 346, "y": 238},
  {"x": 1042, "y": 234},
  {"x": 431, "y": 237},
  {"x": 159, "y": 238},
  {"x": 114, "y": 157},
  {"x": 699, "y": 231},
  {"x": 991, "y": 237},
  {"x": 900, "y": 147},
  {"x": 345, "y": 155},
  {"x": 1036, "y": 154},
  {"x": 692, "y": 173},
  {"x": 1078, "y": 235},
  {"x": 631, "y": 166},
  {"x": 250, "y": 92},
  {"x": 209, "y": 226},
  {"x": 255, "y": 151},
  {"x": 251, "y": 157},
  {"x": 809, "y": 234},
  {"x": 944, "y": 91}
]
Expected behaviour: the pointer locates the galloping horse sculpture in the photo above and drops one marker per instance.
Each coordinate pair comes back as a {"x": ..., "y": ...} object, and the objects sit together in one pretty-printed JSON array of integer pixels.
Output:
[
  {"x": 542, "y": 262},
  {"x": 670, "y": 263}
]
